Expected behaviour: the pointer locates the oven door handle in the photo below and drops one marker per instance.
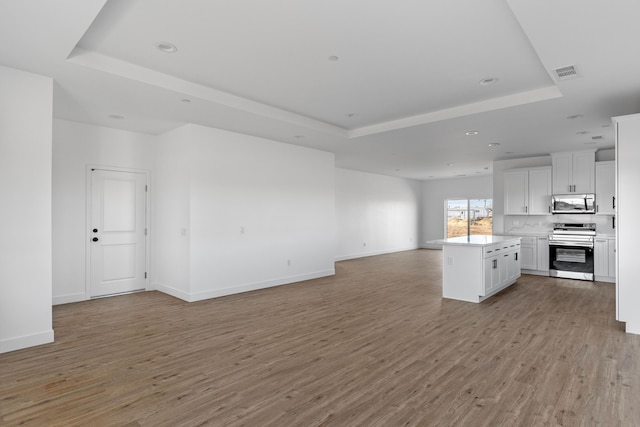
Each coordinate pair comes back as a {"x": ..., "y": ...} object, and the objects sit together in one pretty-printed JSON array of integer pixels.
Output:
[{"x": 574, "y": 244}]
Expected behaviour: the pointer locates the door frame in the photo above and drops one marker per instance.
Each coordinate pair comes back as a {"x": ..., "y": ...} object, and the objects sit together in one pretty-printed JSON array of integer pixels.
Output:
[{"x": 87, "y": 233}]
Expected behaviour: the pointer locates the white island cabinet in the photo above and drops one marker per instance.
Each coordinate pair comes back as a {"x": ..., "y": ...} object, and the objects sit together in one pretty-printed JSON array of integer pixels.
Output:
[{"x": 476, "y": 267}]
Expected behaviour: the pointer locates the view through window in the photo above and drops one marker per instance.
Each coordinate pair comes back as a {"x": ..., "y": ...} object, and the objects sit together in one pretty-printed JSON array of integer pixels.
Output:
[{"x": 469, "y": 217}]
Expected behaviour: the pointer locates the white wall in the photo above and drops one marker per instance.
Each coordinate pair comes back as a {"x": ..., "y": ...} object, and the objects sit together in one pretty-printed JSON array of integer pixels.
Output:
[
  {"x": 25, "y": 216},
  {"x": 171, "y": 203},
  {"x": 261, "y": 213},
  {"x": 434, "y": 196},
  {"x": 628, "y": 230},
  {"x": 375, "y": 214},
  {"x": 75, "y": 146}
]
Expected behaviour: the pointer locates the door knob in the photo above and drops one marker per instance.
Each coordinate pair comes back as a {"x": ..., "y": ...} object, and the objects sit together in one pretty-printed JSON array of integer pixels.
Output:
[{"x": 95, "y": 239}]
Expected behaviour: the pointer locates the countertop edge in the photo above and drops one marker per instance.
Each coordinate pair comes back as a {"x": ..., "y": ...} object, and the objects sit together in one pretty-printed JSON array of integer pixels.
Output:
[{"x": 495, "y": 239}]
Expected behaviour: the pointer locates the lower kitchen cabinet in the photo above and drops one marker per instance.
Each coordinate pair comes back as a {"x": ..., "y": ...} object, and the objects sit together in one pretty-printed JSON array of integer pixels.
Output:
[
  {"x": 543, "y": 254},
  {"x": 535, "y": 255},
  {"x": 604, "y": 259},
  {"x": 529, "y": 253},
  {"x": 501, "y": 267}
]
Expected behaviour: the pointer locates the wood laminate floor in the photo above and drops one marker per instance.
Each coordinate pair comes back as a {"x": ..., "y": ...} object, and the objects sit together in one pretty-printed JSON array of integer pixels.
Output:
[{"x": 376, "y": 345}]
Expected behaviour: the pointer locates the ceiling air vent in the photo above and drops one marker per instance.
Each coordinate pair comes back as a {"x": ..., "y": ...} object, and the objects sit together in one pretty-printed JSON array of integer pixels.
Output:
[{"x": 566, "y": 73}]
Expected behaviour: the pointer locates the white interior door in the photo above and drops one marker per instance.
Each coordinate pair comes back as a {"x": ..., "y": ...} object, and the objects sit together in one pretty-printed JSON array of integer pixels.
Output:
[{"x": 117, "y": 232}]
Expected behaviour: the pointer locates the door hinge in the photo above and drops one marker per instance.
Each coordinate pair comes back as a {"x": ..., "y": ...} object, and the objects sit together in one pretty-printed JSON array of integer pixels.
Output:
[{"x": 145, "y": 274}]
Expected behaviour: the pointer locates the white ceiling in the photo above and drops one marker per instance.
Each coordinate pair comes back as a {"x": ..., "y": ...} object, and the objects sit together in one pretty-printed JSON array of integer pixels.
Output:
[{"x": 397, "y": 101}]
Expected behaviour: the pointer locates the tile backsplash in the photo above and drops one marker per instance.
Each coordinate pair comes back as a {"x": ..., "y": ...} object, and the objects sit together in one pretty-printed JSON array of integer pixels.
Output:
[{"x": 541, "y": 224}]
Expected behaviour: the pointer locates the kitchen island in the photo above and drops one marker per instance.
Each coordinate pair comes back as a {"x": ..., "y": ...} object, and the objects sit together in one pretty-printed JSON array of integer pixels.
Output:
[{"x": 477, "y": 267}]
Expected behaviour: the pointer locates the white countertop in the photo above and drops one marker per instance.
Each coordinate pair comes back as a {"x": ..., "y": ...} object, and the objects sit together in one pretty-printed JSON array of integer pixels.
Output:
[
  {"x": 477, "y": 240},
  {"x": 530, "y": 233},
  {"x": 543, "y": 234}
]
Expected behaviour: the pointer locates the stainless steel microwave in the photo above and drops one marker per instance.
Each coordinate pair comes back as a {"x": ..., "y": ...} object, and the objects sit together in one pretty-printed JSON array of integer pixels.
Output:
[{"x": 573, "y": 204}]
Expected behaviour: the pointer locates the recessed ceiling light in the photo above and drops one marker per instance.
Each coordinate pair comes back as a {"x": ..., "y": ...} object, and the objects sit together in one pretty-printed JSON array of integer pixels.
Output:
[
  {"x": 606, "y": 126},
  {"x": 596, "y": 137},
  {"x": 508, "y": 152},
  {"x": 488, "y": 81},
  {"x": 352, "y": 115},
  {"x": 333, "y": 58},
  {"x": 449, "y": 164},
  {"x": 472, "y": 132},
  {"x": 461, "y": 174},
  {"x": 298, "y": 136},
  {"x": 397, "y": 170},
  {"x": 166, "y": 47},
  {"x": 575, "y": 116},
  {"x": 116, "y": 117},
  {"x": 582, "y": 132},
  {"x": 493, "y": 144},
  {"x": 185, "y": 100},
  {"x": 486, "y": 168}
]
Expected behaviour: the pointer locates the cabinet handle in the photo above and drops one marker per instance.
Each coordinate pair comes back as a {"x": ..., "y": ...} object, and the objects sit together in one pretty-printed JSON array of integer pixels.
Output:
[
  {"x": 495, "y": 264},
  {"x": 549, "y": 209},
  {"x": 613, "y": 202},
  {"x": 526, "y": 209},
  {"x": 516, "y": 256},
  {"x": 597, "y": 208}
]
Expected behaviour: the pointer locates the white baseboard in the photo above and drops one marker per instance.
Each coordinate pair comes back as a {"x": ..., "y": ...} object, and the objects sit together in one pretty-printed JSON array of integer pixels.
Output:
[
  {"x": 169, "y": 290},
  {"x": 374, "y": 253},
  {"x": 69, "y": 298},
  {"x": 26, "y": 341},
  {"x": 216, "y": 293},
  {"x": 536, "y": 272},
  {"x": 437, "y": 246},
  {"x": 632, "y": 328}
]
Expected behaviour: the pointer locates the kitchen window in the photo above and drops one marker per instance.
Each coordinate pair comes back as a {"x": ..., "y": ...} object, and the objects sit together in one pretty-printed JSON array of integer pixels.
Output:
[{"x": 467, "y": 217}]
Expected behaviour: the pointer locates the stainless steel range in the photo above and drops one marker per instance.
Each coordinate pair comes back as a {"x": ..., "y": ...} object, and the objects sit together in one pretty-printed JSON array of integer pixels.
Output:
[{"x": 571, "y": 250}]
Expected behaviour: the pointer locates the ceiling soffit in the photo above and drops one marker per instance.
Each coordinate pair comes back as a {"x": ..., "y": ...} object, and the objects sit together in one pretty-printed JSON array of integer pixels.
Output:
[{"x": 121, "y": 41}]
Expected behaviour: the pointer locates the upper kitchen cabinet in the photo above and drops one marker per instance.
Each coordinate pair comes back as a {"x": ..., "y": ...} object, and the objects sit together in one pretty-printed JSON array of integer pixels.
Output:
[
  {"x": 527, "y": 191},
  {"x": 606, "y": 188},
  {"x": 574, "y": 172}
]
